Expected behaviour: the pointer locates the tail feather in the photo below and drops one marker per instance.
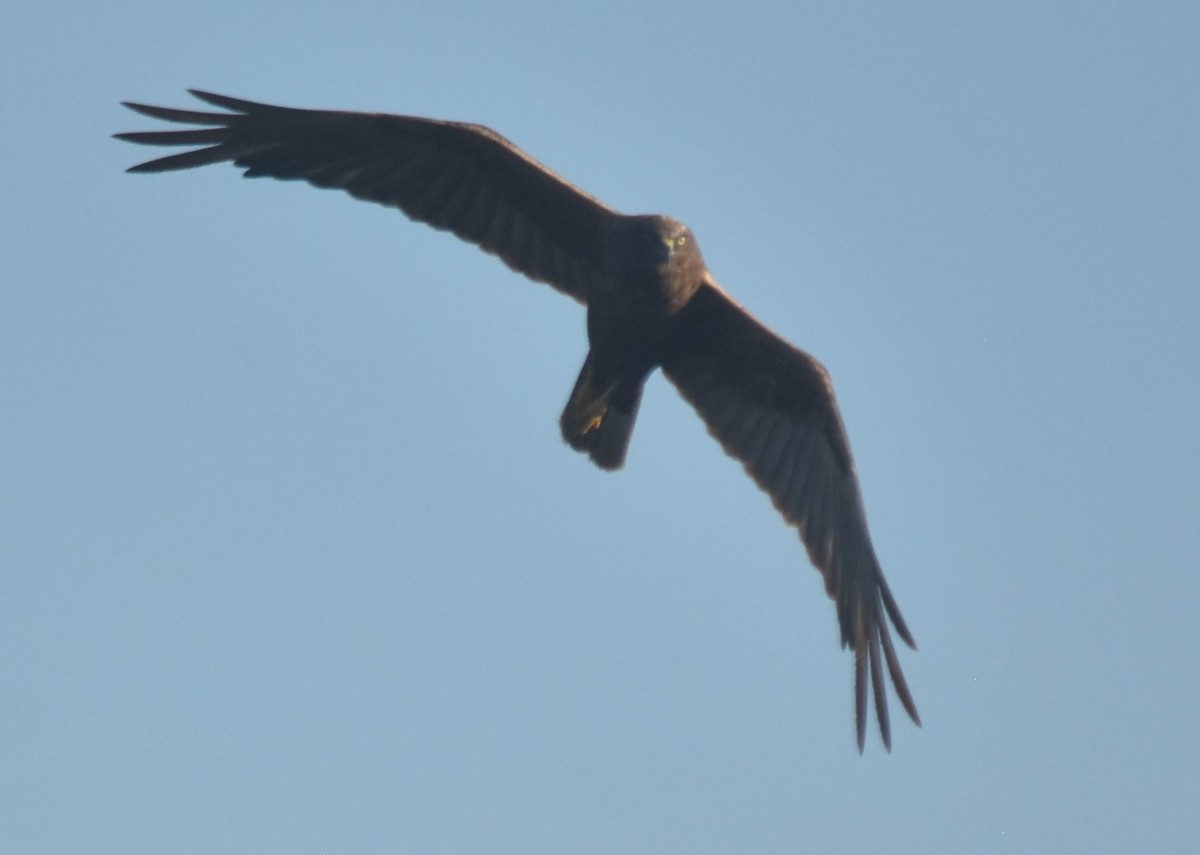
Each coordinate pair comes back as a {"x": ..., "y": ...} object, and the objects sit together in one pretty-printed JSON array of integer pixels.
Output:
[{"x": 599, "y": 416}]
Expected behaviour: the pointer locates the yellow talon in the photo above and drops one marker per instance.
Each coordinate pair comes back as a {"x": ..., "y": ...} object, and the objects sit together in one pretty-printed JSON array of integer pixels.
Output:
[{"x": 587, "y": 410}]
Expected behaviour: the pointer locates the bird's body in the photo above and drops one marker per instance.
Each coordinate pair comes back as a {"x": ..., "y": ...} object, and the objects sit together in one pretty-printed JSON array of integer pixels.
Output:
[
  {"x": 631, "y": 330},
  {"x": 651, "y": 303}
]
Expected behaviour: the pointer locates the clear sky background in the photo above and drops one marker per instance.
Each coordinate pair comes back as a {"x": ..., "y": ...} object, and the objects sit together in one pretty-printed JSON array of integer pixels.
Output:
[{"x": 293, "y": 558}]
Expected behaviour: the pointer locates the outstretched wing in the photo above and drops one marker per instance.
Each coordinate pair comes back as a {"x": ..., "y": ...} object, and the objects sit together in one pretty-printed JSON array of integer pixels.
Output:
[
  {"x": 771, "y": 406},
  {"x": 463, "y": 178}
]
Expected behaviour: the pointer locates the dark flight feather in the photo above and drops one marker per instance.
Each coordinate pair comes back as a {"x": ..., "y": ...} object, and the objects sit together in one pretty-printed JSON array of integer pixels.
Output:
[
  {"x": 771, "y": 406},
  {"x": 651, "y": 303},
  {"x": 463, "y": 178}
]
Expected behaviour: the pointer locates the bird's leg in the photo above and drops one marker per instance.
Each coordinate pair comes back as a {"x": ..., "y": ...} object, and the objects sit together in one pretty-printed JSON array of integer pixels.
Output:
[
  {"x": 599, "y": 415},
  {"x": 586, "y": 408},
  {"x": 591, "y": 415}
]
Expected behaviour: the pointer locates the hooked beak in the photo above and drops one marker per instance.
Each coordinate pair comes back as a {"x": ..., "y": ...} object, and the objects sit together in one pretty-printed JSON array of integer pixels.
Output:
[{"x": 671, "y": 245}]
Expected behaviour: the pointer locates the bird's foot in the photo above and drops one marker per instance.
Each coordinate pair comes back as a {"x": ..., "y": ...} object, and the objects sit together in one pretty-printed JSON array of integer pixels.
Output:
[{"x": 591, "y": 416}]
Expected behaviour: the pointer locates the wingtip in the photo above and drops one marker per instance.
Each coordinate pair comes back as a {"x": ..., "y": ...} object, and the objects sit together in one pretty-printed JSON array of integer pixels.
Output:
[
  {"x": 234, "y": 105},
  {"x": 885, "y": 735},
  {"x": 138, "y": 107}
]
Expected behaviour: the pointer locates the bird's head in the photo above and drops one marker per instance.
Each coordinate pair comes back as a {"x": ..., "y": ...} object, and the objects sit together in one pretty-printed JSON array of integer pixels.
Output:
[{"x": 663, "y": 253}]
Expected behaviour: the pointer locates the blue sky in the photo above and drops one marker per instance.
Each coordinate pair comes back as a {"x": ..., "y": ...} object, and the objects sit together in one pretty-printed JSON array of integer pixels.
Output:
[{"x": 292, "y": 556}]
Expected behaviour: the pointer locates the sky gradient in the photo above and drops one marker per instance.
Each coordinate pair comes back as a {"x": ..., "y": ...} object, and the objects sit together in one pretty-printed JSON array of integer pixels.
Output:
[{"x": 293, "y": 558}]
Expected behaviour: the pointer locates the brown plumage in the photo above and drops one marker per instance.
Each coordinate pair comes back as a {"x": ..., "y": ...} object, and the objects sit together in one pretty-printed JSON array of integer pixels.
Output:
[{"x": 651, "y": 303}]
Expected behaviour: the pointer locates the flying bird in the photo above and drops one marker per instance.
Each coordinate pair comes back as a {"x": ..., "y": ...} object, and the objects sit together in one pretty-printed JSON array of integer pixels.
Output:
[{"x": 651, "y": 303}]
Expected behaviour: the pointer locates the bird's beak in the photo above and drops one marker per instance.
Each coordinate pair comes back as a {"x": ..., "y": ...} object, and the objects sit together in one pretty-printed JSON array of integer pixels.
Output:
[{"x": 672, "y": 245}]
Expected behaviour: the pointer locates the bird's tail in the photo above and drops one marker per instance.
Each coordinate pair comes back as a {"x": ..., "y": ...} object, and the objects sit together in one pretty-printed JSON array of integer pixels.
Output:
[{"x": 599, "y": 415}]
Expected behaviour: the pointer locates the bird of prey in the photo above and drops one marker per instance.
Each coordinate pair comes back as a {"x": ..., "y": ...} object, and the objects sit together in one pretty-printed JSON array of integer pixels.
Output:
[{"x": 651, "y": 303}]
